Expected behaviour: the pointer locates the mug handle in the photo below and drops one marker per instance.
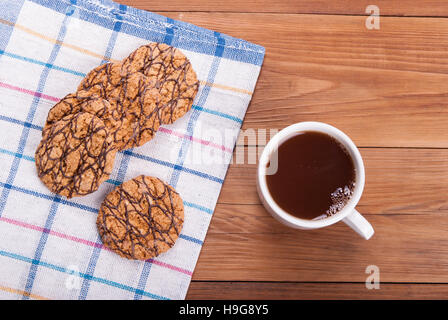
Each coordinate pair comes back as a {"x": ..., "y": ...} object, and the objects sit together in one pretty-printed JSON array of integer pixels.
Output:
[{"x": 358, "y": 223}]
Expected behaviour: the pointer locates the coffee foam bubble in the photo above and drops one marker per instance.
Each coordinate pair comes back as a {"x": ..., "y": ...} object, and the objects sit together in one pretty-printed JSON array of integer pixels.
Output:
[{"x": 339, "y": 198}]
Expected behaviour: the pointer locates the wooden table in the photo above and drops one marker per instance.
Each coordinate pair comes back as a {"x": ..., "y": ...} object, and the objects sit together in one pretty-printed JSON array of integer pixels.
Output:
[{"x": 388, "y": 90}]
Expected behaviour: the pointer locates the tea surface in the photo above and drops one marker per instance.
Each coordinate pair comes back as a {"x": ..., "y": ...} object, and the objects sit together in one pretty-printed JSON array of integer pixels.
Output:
[{"x": 315, "y": 176}]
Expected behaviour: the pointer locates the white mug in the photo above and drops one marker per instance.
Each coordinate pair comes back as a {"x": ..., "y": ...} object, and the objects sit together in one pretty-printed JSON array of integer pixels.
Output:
[{"x": 348, "y": 214}]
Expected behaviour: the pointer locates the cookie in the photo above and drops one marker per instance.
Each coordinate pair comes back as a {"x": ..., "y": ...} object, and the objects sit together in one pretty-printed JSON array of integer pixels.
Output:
[
  {"x": 141, "y": 218},
  {"x": 102, "y": 79},
  {"x": 134, "y": 106},
  {"x": 74, "y": 103},
  {"x": 76, "y": 154},
  {"x": 133, "y": 117},
  {"x": 176, "y": 80}
]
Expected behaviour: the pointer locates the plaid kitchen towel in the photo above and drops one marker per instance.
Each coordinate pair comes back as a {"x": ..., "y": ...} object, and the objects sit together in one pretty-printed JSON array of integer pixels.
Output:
[{"x": 49, "y": 245}]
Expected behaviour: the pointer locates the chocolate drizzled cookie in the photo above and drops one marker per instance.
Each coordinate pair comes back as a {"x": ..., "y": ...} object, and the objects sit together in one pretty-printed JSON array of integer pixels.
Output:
[
  {"x": 133, "y": 103},
  {"x": 77, "y": 102},
  {"x": 141, "y": 218},
  {"x": 175, "y": 78},
  {"x": 76, "y": 155},
  {"x": 162, "y": 70},
  {"x": 102, "y": 79},
  {"x": 133, "y": 109}
]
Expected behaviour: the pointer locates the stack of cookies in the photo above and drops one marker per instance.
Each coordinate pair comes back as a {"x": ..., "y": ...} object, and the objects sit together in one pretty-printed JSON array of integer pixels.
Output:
[{"x": 119, "y": 106}]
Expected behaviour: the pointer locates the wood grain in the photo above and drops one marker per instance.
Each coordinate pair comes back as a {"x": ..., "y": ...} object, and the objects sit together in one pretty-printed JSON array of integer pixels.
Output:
[
  {"x": 398, "y": 180},
  {"x": 245, "y": 244},
  {"x": 296, "y": 290},
  {"x": 385, "y": 88},
  {"x": 404, "y": 199},
  {"x": 356, "y": 7}
]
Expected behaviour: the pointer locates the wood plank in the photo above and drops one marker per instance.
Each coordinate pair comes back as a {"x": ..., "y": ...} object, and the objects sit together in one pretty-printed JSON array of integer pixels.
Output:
[
  {"x": 402, "y": 186},
  {"x": 245, "y": 244},
  {"x": 357, "y": 7},
  {"x": 385, "y": 88},
  {"x": 411, "y": 181},
  {"x": 313, "y": 291}
]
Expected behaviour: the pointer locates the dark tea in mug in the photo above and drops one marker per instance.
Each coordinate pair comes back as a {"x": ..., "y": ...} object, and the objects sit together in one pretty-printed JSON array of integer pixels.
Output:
[{"x": 315, "y": 176}]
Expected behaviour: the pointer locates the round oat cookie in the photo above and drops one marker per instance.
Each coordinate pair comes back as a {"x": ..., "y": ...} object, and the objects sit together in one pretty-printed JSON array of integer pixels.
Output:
[
  {"x": 134, "y": 106},
  {"x": 141, "y": 218},
  {"x": 176, "y": 80},
  {"x": 74, "y": 103},
  {"x": 76, "y": 155},
  {"x": 133, "y": 117},
  {"x": 102, "y": 79}
]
